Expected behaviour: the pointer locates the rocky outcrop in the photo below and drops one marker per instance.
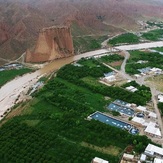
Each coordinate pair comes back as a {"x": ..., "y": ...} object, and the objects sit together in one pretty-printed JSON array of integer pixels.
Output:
[{"x": 53, "y": 43}]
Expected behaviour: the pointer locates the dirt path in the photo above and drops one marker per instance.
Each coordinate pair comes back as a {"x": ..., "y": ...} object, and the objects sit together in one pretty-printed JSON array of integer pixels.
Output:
[{"x": 154, "y": 95}]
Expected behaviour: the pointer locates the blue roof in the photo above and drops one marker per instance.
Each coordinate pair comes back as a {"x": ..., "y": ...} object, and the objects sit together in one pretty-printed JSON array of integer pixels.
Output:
[
  {"x": 121, "y": 109},
  {"x": 109, "y": 74},
  {"x": 111, "y": 121},
  {"x": 144, "y": 70},
  {"x": 120, "y": 102},
  {"x": 114, "y": 122}
]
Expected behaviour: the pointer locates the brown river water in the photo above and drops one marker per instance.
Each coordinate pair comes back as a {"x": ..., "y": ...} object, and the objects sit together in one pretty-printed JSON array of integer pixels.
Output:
[{"x": 57, "y": 64}]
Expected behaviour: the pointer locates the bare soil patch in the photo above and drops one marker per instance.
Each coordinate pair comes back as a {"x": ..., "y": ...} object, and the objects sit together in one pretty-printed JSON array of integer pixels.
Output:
[{"x": 157, "y": 82}]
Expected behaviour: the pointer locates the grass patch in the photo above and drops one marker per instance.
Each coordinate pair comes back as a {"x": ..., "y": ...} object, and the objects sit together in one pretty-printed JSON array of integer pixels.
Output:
[
  {"x": 8, "y": 75},
  {"x": 31, "y": 122},
  {"x": 127, "y": 38},
  {"x": 160, "y": 49},
  {"x": 87, "y": 43},
  {"x": 111, "y": 58},
  {"x": 112, "y": 150}
]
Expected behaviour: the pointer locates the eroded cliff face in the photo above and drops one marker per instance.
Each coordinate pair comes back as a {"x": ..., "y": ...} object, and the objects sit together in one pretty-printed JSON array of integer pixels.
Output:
[{"x": 52, "y": 43}]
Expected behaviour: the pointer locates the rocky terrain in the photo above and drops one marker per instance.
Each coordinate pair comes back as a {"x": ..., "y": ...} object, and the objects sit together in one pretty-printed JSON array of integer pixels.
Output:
[
  {"x": 52, "y": 43},
  {"x": 21, "y": 20}
]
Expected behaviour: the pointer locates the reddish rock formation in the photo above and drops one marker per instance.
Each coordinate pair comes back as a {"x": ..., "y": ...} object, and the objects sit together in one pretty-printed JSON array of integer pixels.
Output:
[{"x": 52, "y": 43}]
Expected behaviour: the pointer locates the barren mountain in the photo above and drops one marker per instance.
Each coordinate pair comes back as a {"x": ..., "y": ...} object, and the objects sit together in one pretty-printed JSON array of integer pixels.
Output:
[
  {"x": 52, "y": 43},
  {"x": 19, "y": 26},
  {"x": 21, "y": 21}
]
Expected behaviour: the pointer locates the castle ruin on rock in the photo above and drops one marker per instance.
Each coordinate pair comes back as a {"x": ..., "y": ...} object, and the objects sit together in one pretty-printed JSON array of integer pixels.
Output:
[{"x": 53, "y": 43}]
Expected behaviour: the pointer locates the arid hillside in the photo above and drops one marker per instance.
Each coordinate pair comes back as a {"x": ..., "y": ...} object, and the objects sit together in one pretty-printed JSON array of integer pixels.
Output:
[
  {"x": 20, "y": 21},
  {"x": 52, "y": 43}
]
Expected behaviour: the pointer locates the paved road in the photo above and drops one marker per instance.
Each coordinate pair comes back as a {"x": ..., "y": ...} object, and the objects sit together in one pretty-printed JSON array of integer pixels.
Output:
[
  {"x": 154, "y": 92},
  {"x": 141, "y": 46}
]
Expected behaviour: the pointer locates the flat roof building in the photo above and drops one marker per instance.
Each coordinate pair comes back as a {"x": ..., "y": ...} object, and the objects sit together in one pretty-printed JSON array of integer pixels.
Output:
[
  {"x": 160, "y": 98},
  {"x": 128, "y": 156},
  {"x": 131, "y": 89},
  {"x": 153, "y": 130},
  {"x": 157, "y": 160},
  {"x": 153, "y": 115},
  {"x": 121, "y": 109},
  {"x": 145, "y": 70},
  {"x": 120, "y": 102},
  {"x": 109, "y": 74},
  {"x": 141, "y": 108},
  {"x": 152, "y": 150},
  {"x": 99, "y": 160},
  {"x": 143, "y": 157},
  {"x": 138, "y": 120},
  {"x": 110, "y": 78}
]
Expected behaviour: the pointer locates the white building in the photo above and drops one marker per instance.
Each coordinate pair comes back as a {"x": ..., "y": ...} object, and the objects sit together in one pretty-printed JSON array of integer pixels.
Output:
[
  {"x": 152, "y": 150},
  {"x": 160, "y": 98},
  {"x": 156, "y": 70},
  {"x": 153, "y": 115},
  {"x": 143, "y": 157},
  {"x": 157, "y": 160},
  {"x": 131, "y": 89},
  {"x": 99, "y": 160},
  {"x": 128, "y": 157},
  {"x": 110, "y": 78},
  {"x": 141, "y": 108},
  {"x": 138, "y": 120},
  {"x": 137, "y": 75},
  {"x": 153, "y": 130}
]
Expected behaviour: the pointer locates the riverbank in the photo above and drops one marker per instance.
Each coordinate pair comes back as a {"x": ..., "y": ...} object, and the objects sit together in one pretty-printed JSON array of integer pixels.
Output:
[{"x": 10, "y": 92}]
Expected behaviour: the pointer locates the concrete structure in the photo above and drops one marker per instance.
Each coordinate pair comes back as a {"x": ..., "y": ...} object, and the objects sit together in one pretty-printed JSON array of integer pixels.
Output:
[
  {"x": 152, "y": 130},
  {"x": 122, "y": 109},
  {"x": 110, "y": 78},
  {"x": 156, "y": 70},
  {"x": 160, "y": 98},
  {"x": 139, "y": 121},
  {"x": 141, "y": 108},
  {"x": 131, "y": 89},
  {"x": 152, "y": 115},
  {"x": 152, "y": 150},
  {"x": 145, "y": 70},
  {"x": 149, "y": 70},
  {"x": 99, "y": 160},
  {"x": 143, "y": 157},
  {"x": 128, "y": 157},
  {"x": 157, "y": 160},
  {"x": 141, "y": 61},
  {"x": 109, "y": 74},
  {"x": 137, "y": 75}
]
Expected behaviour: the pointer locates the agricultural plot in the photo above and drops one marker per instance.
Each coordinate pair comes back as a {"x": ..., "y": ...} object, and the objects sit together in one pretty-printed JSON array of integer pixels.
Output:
[
  {"x": 53, "y": 126},
  {"x": 8, "y": 75},
  {"x": 127, "y": 38},
  {"x": 154, "y": 35}
]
